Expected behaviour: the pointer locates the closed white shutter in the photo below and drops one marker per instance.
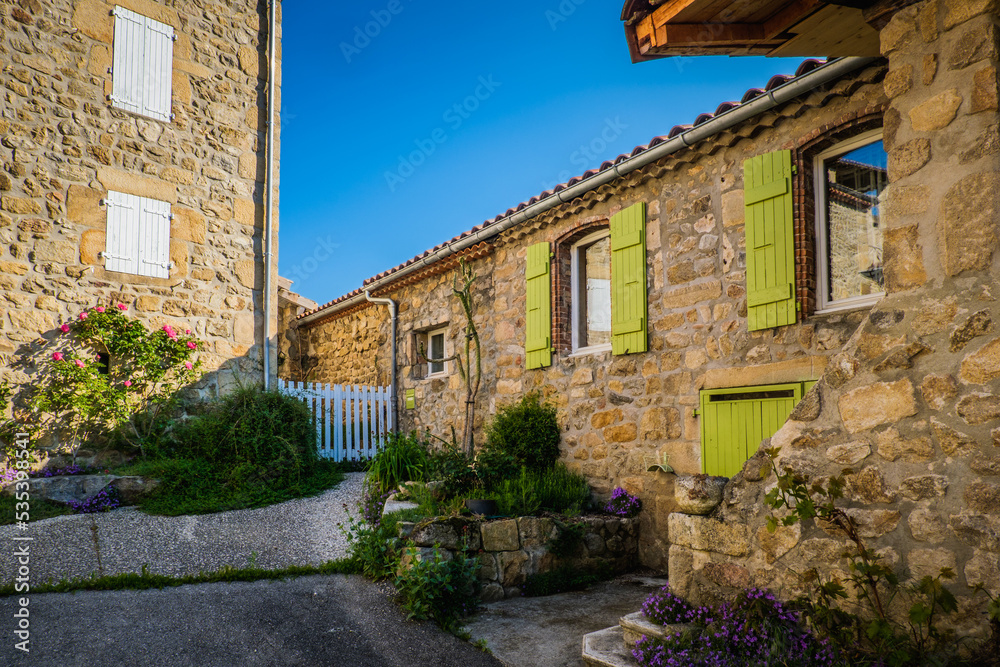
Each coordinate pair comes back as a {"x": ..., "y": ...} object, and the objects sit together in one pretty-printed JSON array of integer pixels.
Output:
[
  {"x": 138, "y": 235},
  {"x": 142, "y": 65},
  {"x": 154, "y": 239},
  {"x": 122, "y": 250}
]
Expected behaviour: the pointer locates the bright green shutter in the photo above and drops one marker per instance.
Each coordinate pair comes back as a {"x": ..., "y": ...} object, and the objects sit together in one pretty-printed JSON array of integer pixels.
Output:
[
  {"x": 628, "y": 280},
  {"x": 732, "y": 427},
  {"x": 538, "y": 341},
  {"x": 767, "y": 182}
]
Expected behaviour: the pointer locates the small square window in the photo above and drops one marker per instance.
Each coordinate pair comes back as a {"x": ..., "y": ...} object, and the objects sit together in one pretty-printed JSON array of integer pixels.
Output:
[
  {"x": 591, "y": 297},
  {"x": 850, "y": 179},
  {"x": 430, "y": 348}
]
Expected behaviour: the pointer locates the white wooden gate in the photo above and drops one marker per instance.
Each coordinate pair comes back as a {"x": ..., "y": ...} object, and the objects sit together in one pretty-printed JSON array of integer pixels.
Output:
[{"x": 352, "y": 422}]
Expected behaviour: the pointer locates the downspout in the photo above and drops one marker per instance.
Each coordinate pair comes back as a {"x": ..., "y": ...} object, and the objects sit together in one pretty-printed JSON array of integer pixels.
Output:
[
  {"x": 392, "y": 373},
  {"x": 269, "y": 196}
]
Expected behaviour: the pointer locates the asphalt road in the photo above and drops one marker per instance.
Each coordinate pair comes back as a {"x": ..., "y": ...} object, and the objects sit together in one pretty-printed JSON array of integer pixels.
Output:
[{"x": 343, "y": 621}]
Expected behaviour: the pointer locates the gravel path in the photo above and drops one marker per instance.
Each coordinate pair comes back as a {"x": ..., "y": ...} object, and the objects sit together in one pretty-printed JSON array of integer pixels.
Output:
[{"x": 297, "y": 532}]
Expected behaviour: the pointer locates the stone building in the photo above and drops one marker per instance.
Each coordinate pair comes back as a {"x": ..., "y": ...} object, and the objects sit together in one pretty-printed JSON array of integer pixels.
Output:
[
  {"x": 134, "y": 169},
  {"x": 830, "y": 237}
]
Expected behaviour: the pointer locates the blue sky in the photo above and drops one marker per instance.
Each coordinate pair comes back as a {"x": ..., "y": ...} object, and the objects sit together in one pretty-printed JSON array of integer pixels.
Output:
[{"x": 406, "y": 122}]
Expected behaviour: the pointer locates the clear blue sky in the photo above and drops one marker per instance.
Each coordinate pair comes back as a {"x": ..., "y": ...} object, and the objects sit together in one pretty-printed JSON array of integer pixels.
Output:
[{"x": 454, "y": 112}]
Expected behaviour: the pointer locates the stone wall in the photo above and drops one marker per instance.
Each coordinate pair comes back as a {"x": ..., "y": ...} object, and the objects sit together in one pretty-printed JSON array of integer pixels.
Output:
[
  {"x": 619, "y": 412},
  {"x": 911, "y": 406},
  {"x": 511, "y": 550},
  {"x": 64, "y": 146}
]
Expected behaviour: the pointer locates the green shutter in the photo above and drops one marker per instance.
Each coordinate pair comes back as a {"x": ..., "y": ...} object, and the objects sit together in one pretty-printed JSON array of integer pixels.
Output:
[
  {"x": 628, "y": 280},
  {"x": 770, "y": 240},
  {"x": 538, "y": 337},
  {"x": 735, "y": 421}
]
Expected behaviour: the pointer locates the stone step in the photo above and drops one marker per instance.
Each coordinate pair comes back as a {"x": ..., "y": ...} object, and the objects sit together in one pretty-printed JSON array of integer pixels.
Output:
[
  {"x": 606, "y": 648},
  {"x": 635, "y": 625}
]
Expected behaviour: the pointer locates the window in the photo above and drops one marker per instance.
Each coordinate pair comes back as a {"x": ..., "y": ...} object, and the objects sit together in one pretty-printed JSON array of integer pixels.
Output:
[
  {"x": 138, "y": 235},
  {"x": 591, "y": 296},
  {"x": 850, "y": 177},
  {"x": 734, "y": 421},
  {"x": 142, "y": 68},
  {"x": 436, "y": 349}
]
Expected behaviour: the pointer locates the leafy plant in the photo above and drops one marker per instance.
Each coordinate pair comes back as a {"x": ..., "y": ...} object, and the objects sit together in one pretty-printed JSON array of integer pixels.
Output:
[
  {"x": 623, "y": 504},
  {"x": 404, "y": 458},
  {"x": 875, "y": 634},
  {"x": 115, "y": 374},
  {"x": 471, "y": 374},
  {"x": 556, "y": 489},
  {"x": 373, "y": 547},
  {"x": 439, "y": 589},
  {"x": 527, "y": 430}
]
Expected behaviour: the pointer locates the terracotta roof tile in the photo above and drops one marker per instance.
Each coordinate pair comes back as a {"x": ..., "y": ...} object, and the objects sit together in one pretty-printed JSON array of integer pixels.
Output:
[{"x": 804, "y": 68}]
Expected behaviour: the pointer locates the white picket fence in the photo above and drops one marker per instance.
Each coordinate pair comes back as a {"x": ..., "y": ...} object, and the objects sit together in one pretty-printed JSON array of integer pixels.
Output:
[{"x": 352, "y": 422}]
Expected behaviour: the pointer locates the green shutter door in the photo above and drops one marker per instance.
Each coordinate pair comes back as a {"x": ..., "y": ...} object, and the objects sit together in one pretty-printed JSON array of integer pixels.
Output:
[
  {"x": 732, "y": 427},
  {"x": 770, "y": 240},
  {"x": 628, "y": 280},
  {"x": 538, "y": 321}
]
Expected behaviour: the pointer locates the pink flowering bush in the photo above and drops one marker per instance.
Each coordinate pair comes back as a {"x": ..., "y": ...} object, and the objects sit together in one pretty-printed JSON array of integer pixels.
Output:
[{"x": 144, "y": 370}]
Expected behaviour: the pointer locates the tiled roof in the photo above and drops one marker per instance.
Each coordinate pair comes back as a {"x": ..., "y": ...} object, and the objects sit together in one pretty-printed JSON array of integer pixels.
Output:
[{"x": 804, "y": 68}]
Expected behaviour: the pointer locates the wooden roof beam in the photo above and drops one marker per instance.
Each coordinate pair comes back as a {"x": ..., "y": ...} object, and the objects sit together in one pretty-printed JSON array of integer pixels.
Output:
[{"x": 705, "y": 34}]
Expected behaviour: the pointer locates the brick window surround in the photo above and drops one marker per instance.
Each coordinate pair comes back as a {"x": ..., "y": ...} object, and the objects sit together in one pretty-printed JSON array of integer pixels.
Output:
[
  {"x": 562, "y": 283},
  {"x": 804, "y": 152}
]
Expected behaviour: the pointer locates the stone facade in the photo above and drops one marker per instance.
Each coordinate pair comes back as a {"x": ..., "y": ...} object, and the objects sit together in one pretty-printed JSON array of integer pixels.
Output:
[
  {"x": 911, "y": 405},
  {"x": 620, "y": 412},
  {"x": 65, "y": 145},
  {"x": 511, "y": 550}
]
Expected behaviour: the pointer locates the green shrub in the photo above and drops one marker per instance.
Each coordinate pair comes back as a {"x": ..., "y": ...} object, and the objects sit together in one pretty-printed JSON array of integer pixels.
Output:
[
  {"x": 403, "y": 459},
  {"x": 439, "y": 589},
  {"x": 528, "y": 431},
  {"x": 374, "y": 548},
  {"x": 449, "y": 465},
  {"x": 249, "y": 426},
  {"x": 555, "y": 490}
]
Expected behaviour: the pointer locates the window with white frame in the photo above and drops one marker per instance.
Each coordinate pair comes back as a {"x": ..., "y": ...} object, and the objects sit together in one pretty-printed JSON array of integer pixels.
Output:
[
  {"x": 436, "y": 350},
  {"x": 590, "y": 267},
  {"x": 142, "y": 67},
  {"x": 138, "y": 235},
  {"x": 850, "y": 178}
]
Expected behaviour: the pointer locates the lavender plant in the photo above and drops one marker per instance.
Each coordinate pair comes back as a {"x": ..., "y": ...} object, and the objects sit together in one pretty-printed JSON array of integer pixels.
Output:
[
  {"x": 104, "y": 500},
  {"x": 623, "y": 504},
  {"x": 754, "y": 629}
]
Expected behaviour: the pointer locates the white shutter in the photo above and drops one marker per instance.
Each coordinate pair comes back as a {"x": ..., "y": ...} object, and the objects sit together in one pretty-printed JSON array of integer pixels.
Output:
[
  {"x": 158, "y": 68},
  {"x": 122, "y": 250},
  {"x": 142, "y": 65},
  {"x": 138, "y": 235},
  {"x": 154, "y": 239}
]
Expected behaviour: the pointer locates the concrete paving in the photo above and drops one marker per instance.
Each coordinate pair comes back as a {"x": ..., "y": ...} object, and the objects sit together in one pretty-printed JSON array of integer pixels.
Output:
[
  {"x": 297, "y": 532},
  {"x": 341, "y": 621},
  {"x": 529, "y": 632}
]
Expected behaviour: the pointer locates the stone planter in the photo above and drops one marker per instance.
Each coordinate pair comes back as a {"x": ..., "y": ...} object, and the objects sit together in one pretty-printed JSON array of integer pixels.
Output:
[{"x": 698, "y": 494}]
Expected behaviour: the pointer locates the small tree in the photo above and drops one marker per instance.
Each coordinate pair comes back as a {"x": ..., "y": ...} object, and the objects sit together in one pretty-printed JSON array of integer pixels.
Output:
[
  {"x": 118, "y": 375},
  {"x": 471, "y": 375}
]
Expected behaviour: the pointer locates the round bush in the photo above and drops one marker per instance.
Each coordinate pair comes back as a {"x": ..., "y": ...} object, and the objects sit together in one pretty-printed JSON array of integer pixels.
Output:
[
  {"x": 528, "y": 431},
  {"x": 262, "y": 428}
]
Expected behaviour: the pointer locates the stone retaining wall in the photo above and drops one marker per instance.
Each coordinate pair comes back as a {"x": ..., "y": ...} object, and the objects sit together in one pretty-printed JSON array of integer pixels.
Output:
[{"x": 511, "y": 550}]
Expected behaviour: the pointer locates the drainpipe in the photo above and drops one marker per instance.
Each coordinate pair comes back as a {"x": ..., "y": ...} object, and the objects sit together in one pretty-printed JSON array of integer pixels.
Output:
[
  {"x": 392, "y": 374},
  {"x": 269, "y": 196}
]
